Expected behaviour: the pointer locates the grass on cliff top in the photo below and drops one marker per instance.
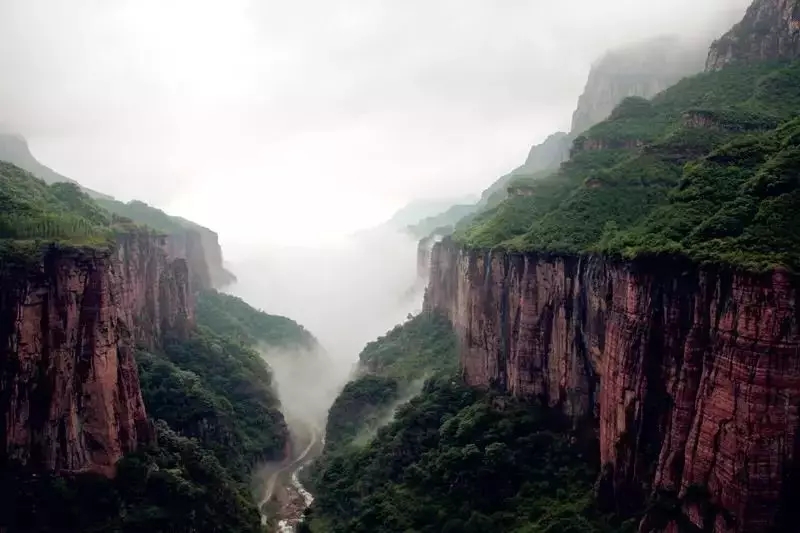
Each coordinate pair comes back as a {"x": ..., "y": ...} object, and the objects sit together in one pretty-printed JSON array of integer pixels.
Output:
[
  {"x": 35, "y": 217},
  {"x": 704, "y": 170},
  {"x": 147, "y": 215},
  {"x": 30, "y": 209}
]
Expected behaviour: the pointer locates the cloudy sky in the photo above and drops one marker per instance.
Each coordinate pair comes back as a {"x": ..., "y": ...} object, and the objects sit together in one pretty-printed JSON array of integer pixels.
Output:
[{"x": 295, "y": 120}]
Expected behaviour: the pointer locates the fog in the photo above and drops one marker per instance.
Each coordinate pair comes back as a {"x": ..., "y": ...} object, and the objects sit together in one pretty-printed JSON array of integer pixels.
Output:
[
  {"x": 284, "y": 122},
  {"x": 346, "y": 294}
]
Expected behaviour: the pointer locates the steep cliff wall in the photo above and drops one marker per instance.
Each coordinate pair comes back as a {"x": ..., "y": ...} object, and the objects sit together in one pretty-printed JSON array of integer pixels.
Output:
[
  {"x": 644, "y": 70},
  {"x": 769, "y": 30},
  {"x": 68, "y": 324},
  {"x": 219, "y": 276},
  {"x": 692, "y": 375},
  {"x": 188, "y": 245}
]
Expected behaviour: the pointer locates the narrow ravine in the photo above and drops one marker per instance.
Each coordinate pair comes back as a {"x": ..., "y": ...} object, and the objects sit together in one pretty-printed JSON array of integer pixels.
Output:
[{"x": 284, "y": 484}]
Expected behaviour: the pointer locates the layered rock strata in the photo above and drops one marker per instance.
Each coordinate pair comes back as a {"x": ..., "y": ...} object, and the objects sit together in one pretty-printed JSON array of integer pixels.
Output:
[
  {"x": 692, "y": 375},
  {"x": 69, "y": 322},
  {"x": 770, "y": 30}
]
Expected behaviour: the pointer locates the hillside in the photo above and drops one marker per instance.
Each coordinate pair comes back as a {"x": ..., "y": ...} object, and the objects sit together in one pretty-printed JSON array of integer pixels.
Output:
[
  {"x": 215, "y": 387},
  {"x": 133, "y": 408},
  {"x": 31, "y": 210},
  {"x": 452, "y": 458},
  {"x": 698, "y": 171},
  {"x": 391, "y": 369},
  {"x": 195, "y": 243},
  {"x": 648, "y": 289},
  {"x": 642, "y": 69},
  {"x": 14, "y": 149}
]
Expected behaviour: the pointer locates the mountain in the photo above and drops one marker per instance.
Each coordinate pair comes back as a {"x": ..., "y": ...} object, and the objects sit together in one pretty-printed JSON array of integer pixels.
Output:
[
  {"x": 770, "y": 30},
  {"x": 195, "y": 243},
  {"x": 649, "y": 286},
  {"x": 14, "y": 149},
  {"x": 134, "y": 399},
  {"x": 626, "y": 330},
  {"x": 642, "y": 69}
]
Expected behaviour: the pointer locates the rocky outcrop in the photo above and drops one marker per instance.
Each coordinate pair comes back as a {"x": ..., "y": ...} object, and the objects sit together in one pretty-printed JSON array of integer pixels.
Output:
[
  {"x": 770, "y": 30},
  {"x": 595, "y": 144},
  {"x": 643, "y": 70},
  {"x": 189, "y": 247},
  {"x": 156, "y": 291},
  {"x": 204, "y": 255},
  {"x": 69, "y": 322},
  {"x": 549, "y": 154},
  {"x": 692, "y": 375}
]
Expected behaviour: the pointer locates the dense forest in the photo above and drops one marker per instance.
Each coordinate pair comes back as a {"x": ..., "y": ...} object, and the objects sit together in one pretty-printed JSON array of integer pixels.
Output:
[
  {"x": 215, "y": 416},
  {"x": 451, "y": 458},
  {"x": 210, "y": 395},
  {"x": 173, "y": 485},
  {"x": 707, "y": 169},
  {"x": 32, "y": 210},
  {"x": 391, "y": 369}
]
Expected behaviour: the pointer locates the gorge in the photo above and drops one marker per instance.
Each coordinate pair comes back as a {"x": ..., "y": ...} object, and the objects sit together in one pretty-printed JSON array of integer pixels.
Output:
[{"x": 606, "y": 341}]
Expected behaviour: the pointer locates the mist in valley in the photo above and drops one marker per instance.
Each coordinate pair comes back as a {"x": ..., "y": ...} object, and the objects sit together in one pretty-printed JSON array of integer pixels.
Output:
[{"x": 346, "y": 294}]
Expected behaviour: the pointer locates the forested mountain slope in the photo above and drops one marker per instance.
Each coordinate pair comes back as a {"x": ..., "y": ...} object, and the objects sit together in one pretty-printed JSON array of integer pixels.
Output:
[
  {"x": 94, "y": 443},
  {"x": 649, "y": 286}
]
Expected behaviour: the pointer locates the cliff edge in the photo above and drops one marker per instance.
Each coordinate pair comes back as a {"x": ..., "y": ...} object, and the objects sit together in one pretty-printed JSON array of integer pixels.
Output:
[{"x": 69, "y": 321}]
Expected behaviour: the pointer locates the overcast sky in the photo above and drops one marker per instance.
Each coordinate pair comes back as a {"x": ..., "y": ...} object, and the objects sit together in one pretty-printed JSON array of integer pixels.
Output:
[{"x": 304, "y": 119}]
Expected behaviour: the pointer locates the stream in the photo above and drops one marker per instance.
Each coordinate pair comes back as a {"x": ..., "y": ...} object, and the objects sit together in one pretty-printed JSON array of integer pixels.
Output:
[{"x": 284, "y": 484}]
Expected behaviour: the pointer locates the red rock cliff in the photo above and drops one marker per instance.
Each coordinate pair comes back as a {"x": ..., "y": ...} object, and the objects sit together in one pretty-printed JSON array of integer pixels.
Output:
[
  {"x": 692, "y": 375},
  {"x": 69, "y": 386}
]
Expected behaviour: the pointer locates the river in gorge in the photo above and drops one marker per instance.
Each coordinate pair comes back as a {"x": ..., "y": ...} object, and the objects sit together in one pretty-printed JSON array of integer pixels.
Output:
[{"x": 284, "y": 498}]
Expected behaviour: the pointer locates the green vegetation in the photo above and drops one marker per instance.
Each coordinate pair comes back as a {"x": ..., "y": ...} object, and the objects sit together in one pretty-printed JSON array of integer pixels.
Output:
[
  {"x": 422, "y": 345},
  {"x": 704, "y": 170},
  {"x": 452, "y": 459},
  {"x": 216, "y": 388},
  {"x": 217, "y": 415},
  {"x": 393, "y": 367},
  {"x": 172, "y": 486},
  {"x": 141, "y": 213},
  {"x": 31, "y": 210},
  {"x": 231, "y": 316},
  {"x": 456, "y": 460}
]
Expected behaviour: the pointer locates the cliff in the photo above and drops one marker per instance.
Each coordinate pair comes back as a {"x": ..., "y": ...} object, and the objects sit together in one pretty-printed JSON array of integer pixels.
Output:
[
  {"x": 691, "y": 374},
  {"x": 69, "y": 321},
  {"x": 770, "y": 30},
  {"x": 211, "y": 252},
  {"x": 644, "y": 69},
  {"x": 198, "y": 245}
]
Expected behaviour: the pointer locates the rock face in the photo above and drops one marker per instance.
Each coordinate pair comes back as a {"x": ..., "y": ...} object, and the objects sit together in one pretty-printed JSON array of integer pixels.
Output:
[
  {"x": 204, "y": 255},
  {"x": 68, "y": 325},
  {"x": 189, "y": 246},
  {"x": 770, "y": 30},
  {"x": 644, "y": 70},
  {"x": 691, "y": 375}
]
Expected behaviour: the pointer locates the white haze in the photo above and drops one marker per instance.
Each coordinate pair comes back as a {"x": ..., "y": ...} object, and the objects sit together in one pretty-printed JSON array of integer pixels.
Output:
[
  {"x": 346, "y": 294},
  {"x": 285, "y": 121}
]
